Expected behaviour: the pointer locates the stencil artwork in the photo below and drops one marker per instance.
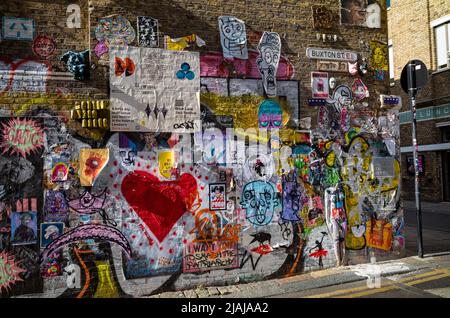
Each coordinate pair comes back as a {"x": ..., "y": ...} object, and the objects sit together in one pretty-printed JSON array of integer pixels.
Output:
[
  {"x": 270, "y": 115},
  {"x": 167, "y": 98},
  {"x": 115, "y": 30},
  {"x": 77, "y": 64},
  {"x": 18, "y": 29},
  {"x": 147, "y": 29},
  {"x": 233, "y": 37},
  {"x": 379, "y": 56},
  {"x": 92, "y": 162},
  {"x": 87, "y": 202},
  {"x": 260, "y": 199},
  {"x": 366, "y": 13},
  {"x": 322, "y": 17},
  {"x": 23, "y": 228},
  {"x": 269, "y": 48}
]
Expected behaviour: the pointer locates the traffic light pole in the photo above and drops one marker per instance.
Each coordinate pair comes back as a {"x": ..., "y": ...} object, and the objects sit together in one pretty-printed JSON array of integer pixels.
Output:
[{"x": 412, "y": 91}]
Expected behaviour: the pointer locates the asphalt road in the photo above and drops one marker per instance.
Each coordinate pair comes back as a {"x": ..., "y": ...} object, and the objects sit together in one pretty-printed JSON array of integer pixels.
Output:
[{"x": 435, "y": 227}]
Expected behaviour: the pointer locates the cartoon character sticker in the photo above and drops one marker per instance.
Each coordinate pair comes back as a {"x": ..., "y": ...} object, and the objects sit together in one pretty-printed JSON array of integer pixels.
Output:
[{"x": 233, "y": 37}]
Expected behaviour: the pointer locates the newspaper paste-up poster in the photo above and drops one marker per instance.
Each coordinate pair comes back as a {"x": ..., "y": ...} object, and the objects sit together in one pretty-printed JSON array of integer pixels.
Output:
[{"x": 154, "y": 90}]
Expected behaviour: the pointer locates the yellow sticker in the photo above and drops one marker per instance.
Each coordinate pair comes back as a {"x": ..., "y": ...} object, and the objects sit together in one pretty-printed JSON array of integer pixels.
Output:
[{"x": 166, "y": 160}]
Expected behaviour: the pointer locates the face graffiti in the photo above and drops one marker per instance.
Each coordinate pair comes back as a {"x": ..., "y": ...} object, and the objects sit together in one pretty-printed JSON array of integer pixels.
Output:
[
  {"x": 269, "y": 56},
  {"x": 260, "y": 199}
]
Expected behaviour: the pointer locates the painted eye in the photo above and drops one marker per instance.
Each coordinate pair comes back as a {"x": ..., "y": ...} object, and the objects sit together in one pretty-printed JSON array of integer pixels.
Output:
[
  {"x": 264, "y": 123},
  {"x": 277, "y": 123},
  {"x": 227, "y": 30}
]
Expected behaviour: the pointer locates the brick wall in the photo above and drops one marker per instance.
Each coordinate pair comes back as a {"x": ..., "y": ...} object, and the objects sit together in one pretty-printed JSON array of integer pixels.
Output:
[{"x": 291, "y": 19}]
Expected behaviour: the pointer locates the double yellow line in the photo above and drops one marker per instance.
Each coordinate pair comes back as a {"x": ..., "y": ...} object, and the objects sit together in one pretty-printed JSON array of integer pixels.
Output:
[{"x": 365, "y": 291}]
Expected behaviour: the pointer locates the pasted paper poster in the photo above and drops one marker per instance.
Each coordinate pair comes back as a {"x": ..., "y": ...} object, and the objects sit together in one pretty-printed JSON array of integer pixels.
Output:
[
  {"x": 154, "y": 90},
  {"x": 92, "y": 162},
  {"x": 233, "y": 37}
]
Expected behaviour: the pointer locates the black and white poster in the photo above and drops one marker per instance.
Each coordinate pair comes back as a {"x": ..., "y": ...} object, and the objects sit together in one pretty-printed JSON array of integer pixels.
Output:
[{"x": 147, "y": 32}]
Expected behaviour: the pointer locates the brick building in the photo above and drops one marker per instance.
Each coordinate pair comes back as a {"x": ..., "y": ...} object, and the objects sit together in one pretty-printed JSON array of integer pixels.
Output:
[
  {"x": 343, "y": 204},
  {"x": 420, "y": 30}
]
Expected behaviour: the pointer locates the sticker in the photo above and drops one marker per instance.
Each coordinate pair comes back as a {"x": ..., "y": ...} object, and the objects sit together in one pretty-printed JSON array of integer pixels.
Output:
[
  {"x": 43, "y": 46},
  {"x": 18, "y": 29},
  {"x": 360, "y": 91},
  {"x": 166, "y": 160},
  {"x": 217, "y": 196},
  {"x": 233, "y": 37},
  {"x": 60, "y": 169},
  {"x": 319, "y": 85},
  {"x": 50, "y": 232},
  {"x": 24, "y": 228},
  {"x": 316, "y": 102}
]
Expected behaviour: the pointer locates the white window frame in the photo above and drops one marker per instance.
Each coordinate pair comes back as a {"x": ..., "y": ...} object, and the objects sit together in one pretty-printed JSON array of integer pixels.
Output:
[
  {"x": 391, "y": 61},
  {"x": 445, "y": 20}
]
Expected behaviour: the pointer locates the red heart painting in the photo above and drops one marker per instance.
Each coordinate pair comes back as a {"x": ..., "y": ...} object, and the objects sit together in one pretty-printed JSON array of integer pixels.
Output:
[{"x": 159, "y": 204}]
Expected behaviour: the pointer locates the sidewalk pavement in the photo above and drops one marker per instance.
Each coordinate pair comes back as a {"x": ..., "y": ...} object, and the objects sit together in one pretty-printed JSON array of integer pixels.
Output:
[
  {"x": 429, "y": 207},
  {"x": 314, "y": 280}
]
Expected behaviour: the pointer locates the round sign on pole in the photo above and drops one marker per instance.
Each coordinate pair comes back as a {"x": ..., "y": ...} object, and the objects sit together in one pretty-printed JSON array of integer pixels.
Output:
[{"x": 420, "y": 75}]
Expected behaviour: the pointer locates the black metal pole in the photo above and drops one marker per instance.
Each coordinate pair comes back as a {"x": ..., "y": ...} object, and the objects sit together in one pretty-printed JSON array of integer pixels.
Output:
[{"x": 412, "y": 103}]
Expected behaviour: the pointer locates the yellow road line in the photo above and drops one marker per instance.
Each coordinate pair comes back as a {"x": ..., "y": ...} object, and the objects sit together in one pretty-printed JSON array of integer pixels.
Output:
[
  {"x": 370, "y": 292},
  {"x": 364, "y": 290},
  {"x": 427, "y": 279}
]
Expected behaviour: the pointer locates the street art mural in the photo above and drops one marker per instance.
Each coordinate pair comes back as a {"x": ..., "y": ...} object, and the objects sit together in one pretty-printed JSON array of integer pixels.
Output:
[{"x": 191, "y": 164}]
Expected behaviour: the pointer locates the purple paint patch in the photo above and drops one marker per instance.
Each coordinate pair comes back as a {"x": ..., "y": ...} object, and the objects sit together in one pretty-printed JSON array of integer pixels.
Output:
[{"x": 101, "y": 48}]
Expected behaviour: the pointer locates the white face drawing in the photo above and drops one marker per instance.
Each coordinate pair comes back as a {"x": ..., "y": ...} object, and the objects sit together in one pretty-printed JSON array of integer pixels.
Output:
[
  {"x": 233, "y": 37},
  {"x": 269, "y": 56}
]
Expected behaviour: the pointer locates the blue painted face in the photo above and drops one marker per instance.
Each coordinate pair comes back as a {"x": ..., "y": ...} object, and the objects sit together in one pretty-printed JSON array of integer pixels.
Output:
[{"x": 269, "y": 115}]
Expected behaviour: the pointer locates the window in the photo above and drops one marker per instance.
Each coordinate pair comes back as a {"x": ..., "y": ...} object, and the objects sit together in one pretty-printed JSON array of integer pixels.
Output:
[
  {"x": 388, "y": 4},
  {"x": 442, "y": 38},
  {"x": 391, "y": 61},
  {"x": 446, "y": 134}
]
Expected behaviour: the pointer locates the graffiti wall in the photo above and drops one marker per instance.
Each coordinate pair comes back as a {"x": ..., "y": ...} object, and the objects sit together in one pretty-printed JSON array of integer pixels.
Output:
[{"x": 156, "y": 169}]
